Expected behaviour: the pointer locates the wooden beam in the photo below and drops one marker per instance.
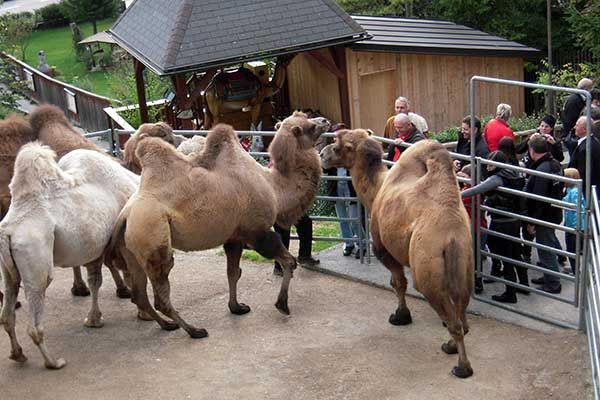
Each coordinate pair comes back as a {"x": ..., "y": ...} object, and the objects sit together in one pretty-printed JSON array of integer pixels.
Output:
[
  {"x": 181, "y": 94},
  {"x": 141, "y": 90},
  {"x": 201, "y": 84},
  {"x": 325, "y": 62},
  {"x": 339, "y": 56}
]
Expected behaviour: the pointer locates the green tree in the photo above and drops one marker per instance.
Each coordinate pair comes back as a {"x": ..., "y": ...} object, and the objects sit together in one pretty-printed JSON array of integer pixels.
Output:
[
  {"x": 89, "y": 10},
  {"x": 584, "y": 23},
  {"x": 11, "y": 91},
  {"x": 15, "y": 30}
]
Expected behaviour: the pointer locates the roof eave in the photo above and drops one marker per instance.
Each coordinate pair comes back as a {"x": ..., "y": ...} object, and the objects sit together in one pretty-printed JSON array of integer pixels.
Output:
[{"x": 529, "y": 53}]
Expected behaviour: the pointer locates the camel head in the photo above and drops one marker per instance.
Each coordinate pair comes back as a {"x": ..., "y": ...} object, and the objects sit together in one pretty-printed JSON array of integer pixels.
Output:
[
  {"x": 159, "y": 130},
  {"x": 295, "y": 140},
  {"x": 349, "y": 147}
]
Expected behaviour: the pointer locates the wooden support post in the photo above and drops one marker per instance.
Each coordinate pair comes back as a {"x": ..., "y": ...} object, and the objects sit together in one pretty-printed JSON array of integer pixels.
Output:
[
  {"x": 339, "y": 57},
  {"x": 141, "y": 90},
  {"x": 181, "y": 94}
]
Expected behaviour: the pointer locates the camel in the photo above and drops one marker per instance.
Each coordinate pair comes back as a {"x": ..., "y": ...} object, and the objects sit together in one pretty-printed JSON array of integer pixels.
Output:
[
  {"x": 252, "y": 92},
  {"x": 417, "y": 220},
  {"x": 61, "y": 214},
  {"x": 162, "y": 131},
  {"x": 200, "y": 201},
  {"x": 49, "y": 125}
]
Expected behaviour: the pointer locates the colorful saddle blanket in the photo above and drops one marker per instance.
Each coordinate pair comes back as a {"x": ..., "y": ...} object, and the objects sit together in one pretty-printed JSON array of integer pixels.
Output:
[{"x": 238, "y": 85}]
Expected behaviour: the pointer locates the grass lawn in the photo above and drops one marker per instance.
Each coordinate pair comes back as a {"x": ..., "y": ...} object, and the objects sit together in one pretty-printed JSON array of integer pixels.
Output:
[
  {"x": 57, "y": 44},
  {"x": 320, "y": 228}
]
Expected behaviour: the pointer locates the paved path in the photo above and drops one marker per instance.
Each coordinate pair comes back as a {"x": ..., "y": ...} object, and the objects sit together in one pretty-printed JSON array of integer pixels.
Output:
[
  {"x": 337, "y": 344},
  {"x": 17, "y": 6}
]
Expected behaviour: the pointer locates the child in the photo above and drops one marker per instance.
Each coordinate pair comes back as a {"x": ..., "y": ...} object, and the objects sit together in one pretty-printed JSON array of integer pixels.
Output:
[{"x": 572, "y": 195}]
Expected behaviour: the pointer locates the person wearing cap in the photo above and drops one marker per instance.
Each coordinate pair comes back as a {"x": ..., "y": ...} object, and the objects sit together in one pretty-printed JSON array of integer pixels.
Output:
[
  {"x": 498, "y": 128},
  {"x": 546, "y": 129}
]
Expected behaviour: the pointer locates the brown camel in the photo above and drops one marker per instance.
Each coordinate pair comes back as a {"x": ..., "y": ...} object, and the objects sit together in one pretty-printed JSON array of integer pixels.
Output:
[
  {"x": 417, "y": 220},
  {"x": 202, "y": 201},
  {"x": 49, "y": 125}
]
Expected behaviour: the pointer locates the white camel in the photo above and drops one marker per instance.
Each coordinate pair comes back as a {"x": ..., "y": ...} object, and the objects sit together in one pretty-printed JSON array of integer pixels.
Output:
[{"x": 61, "y": 214}]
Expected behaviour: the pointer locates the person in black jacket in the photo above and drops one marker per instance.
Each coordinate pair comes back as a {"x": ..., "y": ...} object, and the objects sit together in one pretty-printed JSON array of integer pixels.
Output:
[
  {"x": 501, "y": 223},
  {"x": 543, "y": 162},
  {"x": 578, "y": 158},
  {"x": 463, "y": 145},
  {"x": 574, "y": 103},
  {"x": 546, "y": 129}
]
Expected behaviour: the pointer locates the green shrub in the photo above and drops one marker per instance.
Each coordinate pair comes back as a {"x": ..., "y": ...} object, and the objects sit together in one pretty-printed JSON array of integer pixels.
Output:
[{"x": 51, "y": 16}]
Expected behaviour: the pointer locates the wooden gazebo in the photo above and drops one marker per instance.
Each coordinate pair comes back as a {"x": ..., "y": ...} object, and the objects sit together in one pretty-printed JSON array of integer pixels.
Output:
[{"x": 177, "y": 37}]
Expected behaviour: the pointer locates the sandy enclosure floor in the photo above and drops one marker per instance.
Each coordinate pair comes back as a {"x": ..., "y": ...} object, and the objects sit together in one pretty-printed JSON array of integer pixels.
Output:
[{"x": 337, "y": 344}]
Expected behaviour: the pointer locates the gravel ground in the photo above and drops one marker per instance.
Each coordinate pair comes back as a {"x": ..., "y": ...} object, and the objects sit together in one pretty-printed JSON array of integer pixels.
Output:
[{"x": 337, "y": 344}]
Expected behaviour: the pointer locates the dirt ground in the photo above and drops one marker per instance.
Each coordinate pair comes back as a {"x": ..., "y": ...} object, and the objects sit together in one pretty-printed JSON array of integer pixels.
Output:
[{"x": 337, "y": 344}]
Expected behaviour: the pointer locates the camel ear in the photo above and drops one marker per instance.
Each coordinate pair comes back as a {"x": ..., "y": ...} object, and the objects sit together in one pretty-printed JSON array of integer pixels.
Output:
[
  {"x": 297, "y": 131},
  {"x": 143, "y": 135},
  {"x": 370, "y": 132},
  {"x": 278, "y": 125}
]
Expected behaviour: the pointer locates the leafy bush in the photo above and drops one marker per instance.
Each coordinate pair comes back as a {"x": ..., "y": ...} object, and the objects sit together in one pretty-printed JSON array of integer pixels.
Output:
[{"x": 51, "y": 16}]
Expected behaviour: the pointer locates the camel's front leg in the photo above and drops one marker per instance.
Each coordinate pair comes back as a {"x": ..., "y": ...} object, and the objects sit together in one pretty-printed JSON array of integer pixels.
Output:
[
  {"x": 269, "y": 245},
  {"x": 233, "y": 250},
  {"x": 123, "y": 291},
  {"x": 79, "y": 288},
  {"x": 8, "y": 317},
  {"x": 94, "y": 275}
]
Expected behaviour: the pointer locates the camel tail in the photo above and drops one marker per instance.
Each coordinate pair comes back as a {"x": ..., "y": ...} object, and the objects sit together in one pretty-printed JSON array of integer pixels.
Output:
[
  {"x": 111, "y": 255},
  {"x": 10, "y": 273},
  {"x": 455, "y": 285}
]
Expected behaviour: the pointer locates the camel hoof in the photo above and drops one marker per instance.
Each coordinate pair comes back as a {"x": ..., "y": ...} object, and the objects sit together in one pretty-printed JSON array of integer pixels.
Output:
[
  {"x": 462, "y": 372},
  {"x": 80, "y": 291},
  {"x": 123, "y": 293},
  {"x": 18, "y": 357},
  {"x": 198, "y": 333},
  {"x": 449, "y": 348},
  {"x": 169, "y": 326},
  {"x": 239, "y": 309},
  {"x": 57, "y": 365},
  {"x": 94, "y": 323},
  {"x": 144, "y": 316},
  {"x": 282, "y": 307},
  {"x": 400, "y": 317}
]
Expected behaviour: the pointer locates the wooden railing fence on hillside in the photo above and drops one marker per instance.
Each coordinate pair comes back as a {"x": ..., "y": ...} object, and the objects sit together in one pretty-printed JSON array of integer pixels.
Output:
[{"x": 85, "y": 109}]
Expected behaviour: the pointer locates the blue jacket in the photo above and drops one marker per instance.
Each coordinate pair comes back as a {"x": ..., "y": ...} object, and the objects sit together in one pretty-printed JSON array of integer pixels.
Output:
[{"x": 571, "y": 215}]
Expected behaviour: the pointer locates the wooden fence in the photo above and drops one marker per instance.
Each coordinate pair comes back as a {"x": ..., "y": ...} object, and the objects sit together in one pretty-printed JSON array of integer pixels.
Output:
[{"x": 84, "y": 109}]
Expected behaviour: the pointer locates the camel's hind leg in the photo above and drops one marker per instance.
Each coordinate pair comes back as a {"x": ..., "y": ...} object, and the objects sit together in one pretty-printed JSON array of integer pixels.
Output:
[
  {"x": 269, "y": 245},
  {"x": 8, "y": 317},
  {"x": 94, "y": 275},
  {"x": 79, "y": 288},
  {"x": 139, "y": 295},
  {"x": 233, "y": 250}
]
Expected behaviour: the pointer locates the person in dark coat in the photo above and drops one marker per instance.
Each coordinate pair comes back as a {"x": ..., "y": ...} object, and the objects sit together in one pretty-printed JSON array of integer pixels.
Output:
[
  {"x": 463, "y": 145},
  {"x": 503, "y": 177},
  {"x": 546, "y": 129},
  {"x": 574, "y": 104},
  {"x": 578, "y": 158},
  {"x": 406, "y": 132},
  {"x": 544, "y": 162}
]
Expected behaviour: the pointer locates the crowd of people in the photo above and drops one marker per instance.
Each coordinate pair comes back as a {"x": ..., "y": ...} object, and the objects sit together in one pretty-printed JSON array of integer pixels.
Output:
[{"x": 543, "y": 151}]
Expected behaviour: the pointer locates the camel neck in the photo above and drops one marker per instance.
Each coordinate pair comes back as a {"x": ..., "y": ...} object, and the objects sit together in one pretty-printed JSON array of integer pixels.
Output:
[{"x": 367, "y": 182}]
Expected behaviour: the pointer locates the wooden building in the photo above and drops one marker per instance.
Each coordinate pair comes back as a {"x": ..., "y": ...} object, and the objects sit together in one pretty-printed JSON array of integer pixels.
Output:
[{"x": 429, "y": 62}]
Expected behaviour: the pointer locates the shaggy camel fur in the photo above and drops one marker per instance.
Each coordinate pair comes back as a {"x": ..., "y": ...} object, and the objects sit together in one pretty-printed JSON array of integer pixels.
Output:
[
  {"x": 202, "y": 201},
  {"x": 61, "y": 214},
  {"x": 49, "y": 125},
  {"x": 417, "y": 220}
]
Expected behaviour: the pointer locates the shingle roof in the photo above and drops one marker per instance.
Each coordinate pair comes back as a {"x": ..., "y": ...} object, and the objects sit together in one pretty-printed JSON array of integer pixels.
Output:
[
  {"x": 428, "y": 36},
  {"x": 171, "y": 36}
]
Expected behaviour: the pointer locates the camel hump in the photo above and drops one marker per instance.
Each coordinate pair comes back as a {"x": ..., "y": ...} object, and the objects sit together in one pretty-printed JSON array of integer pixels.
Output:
[
  {"x": 46, "y": 114},
  {"x": 16, "y": 129},
  {"x": 222, "y": 136},
  {"x": 35, "y": 169},
  {"x": 150, "y": 149},
  {"x": 221, "y": 133}
]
